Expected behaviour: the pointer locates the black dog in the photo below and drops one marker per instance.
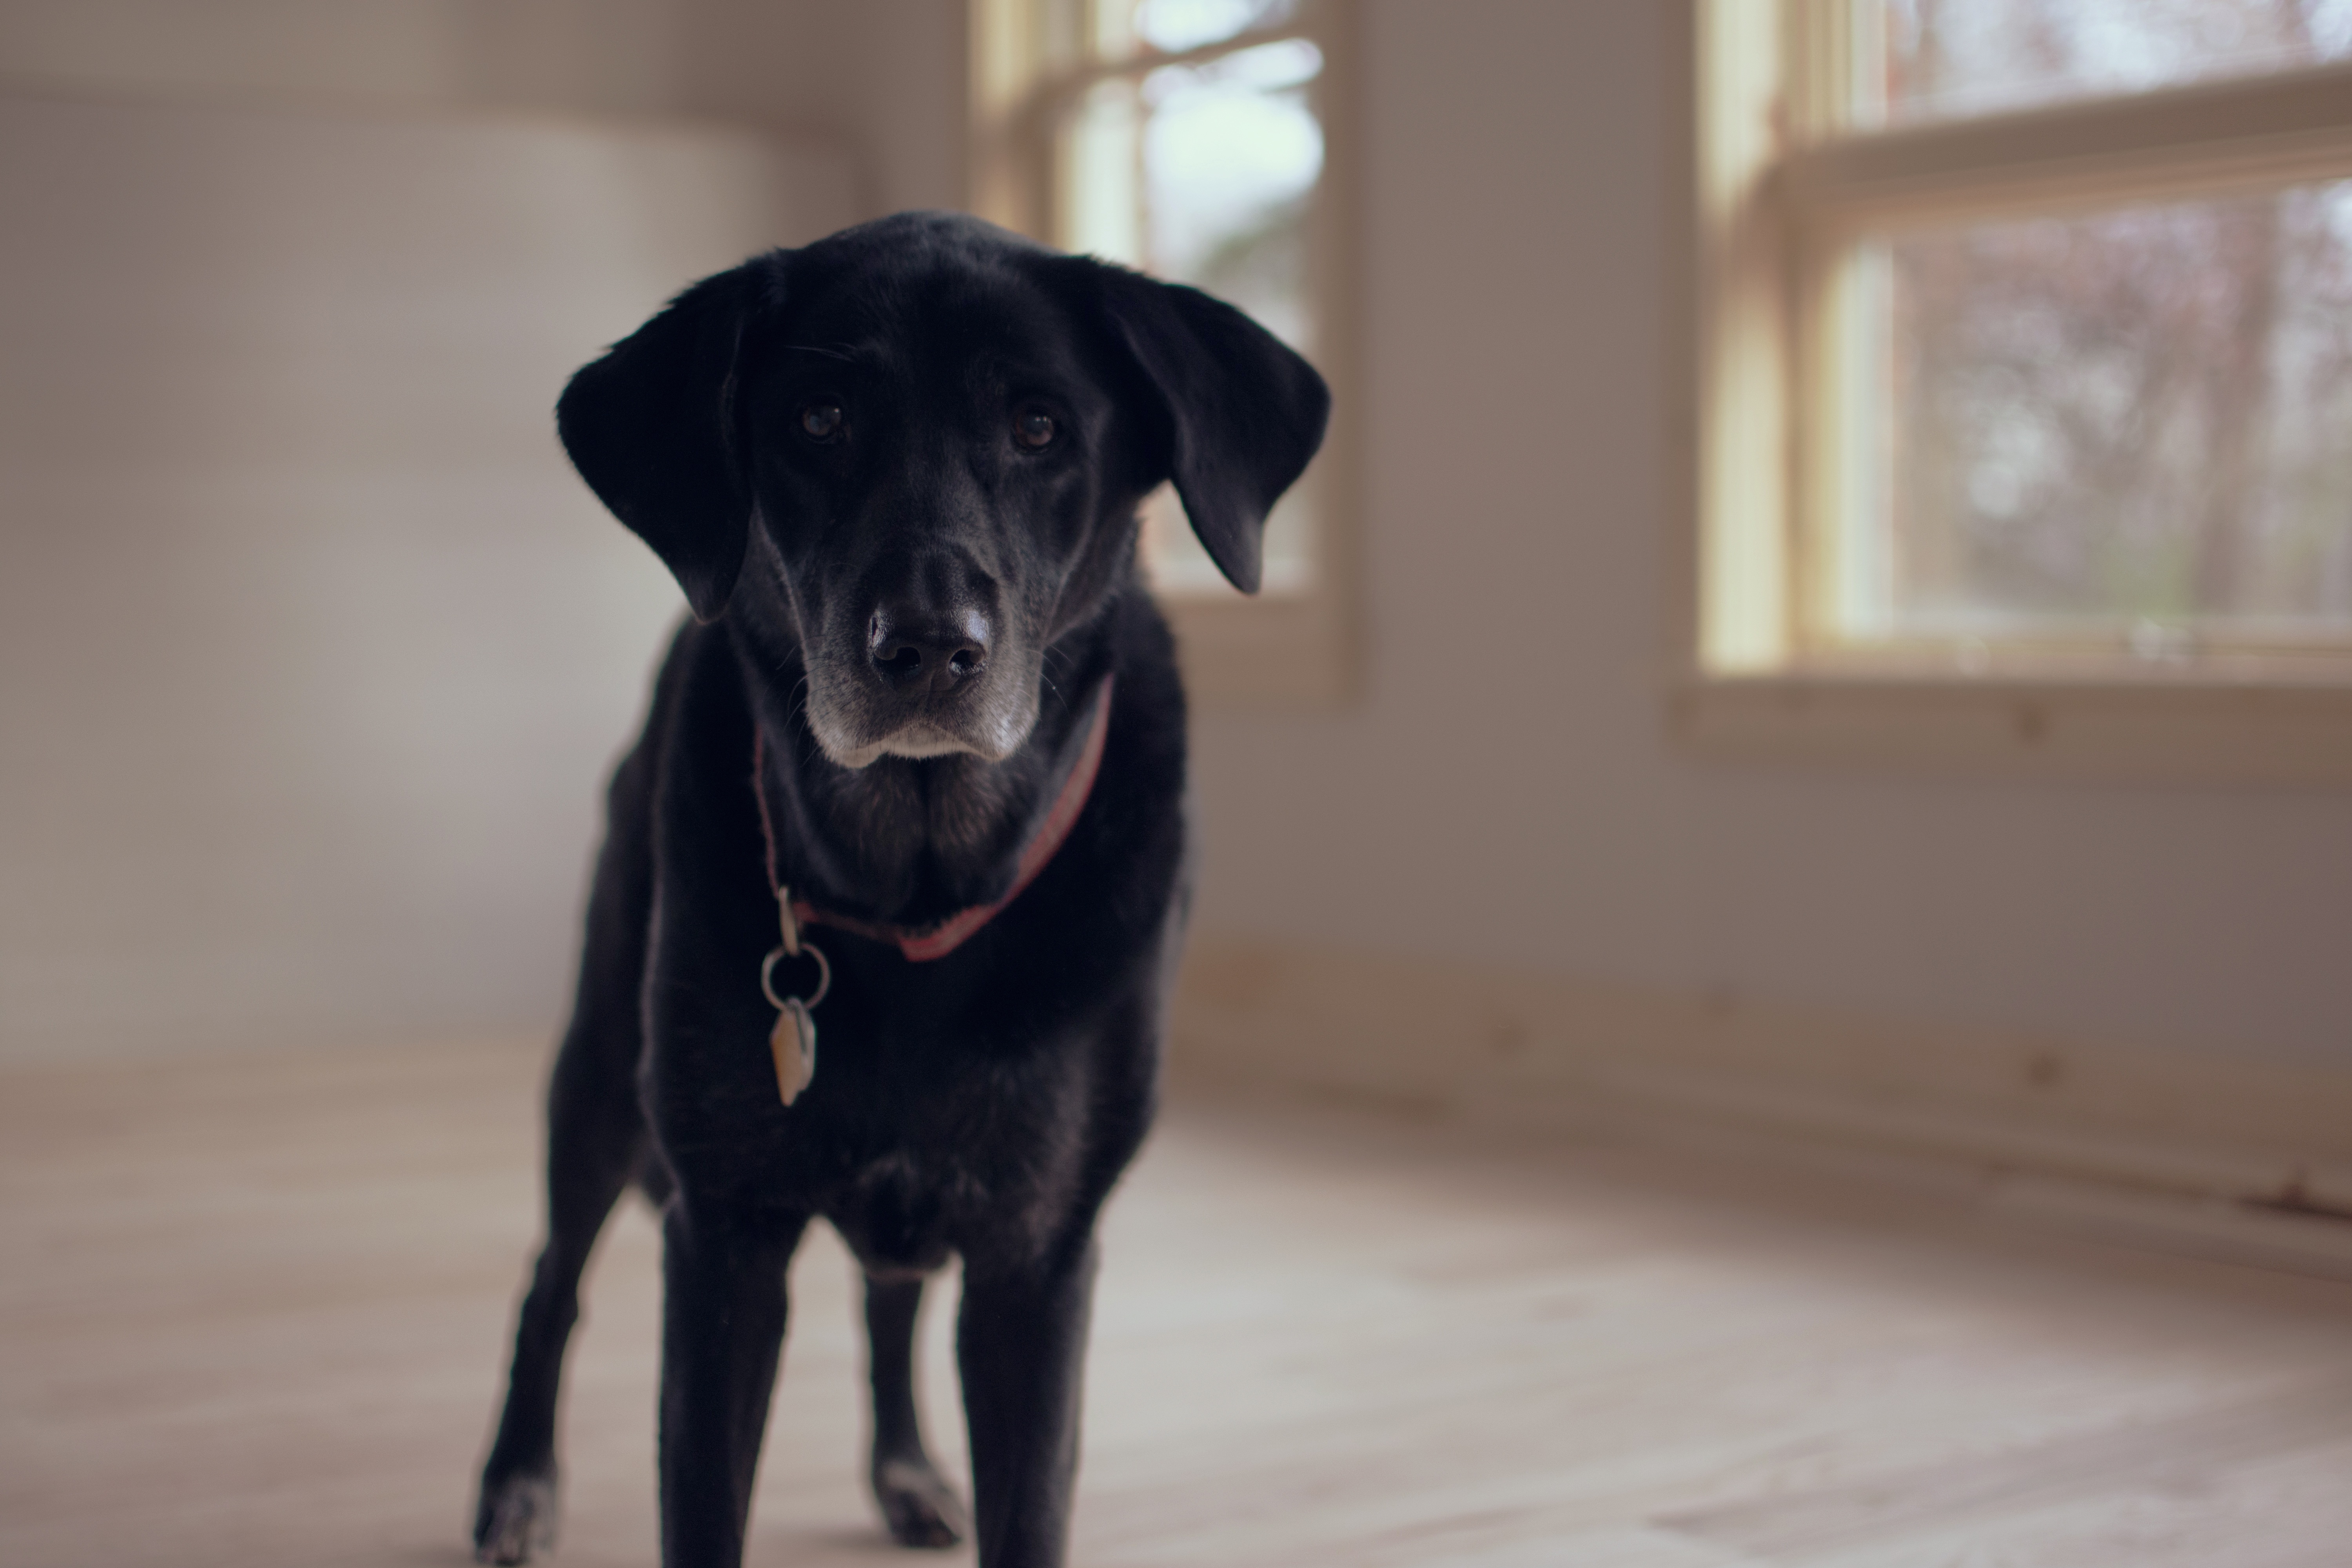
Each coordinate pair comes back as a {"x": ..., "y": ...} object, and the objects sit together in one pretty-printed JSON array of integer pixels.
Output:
[{"x": 929, "y": 715}]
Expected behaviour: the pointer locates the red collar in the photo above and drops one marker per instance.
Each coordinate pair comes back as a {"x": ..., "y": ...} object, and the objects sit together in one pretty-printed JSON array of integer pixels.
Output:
[{"x": 921, "y": 946}]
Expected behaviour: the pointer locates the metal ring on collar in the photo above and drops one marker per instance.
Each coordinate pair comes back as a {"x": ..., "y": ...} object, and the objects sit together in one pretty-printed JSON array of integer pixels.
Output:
[{"x": 768, "y": 977}]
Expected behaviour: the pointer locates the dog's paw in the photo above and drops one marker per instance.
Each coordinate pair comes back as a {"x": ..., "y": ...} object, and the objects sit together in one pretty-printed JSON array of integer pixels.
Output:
[
  {"x": 921, "y": 1508},
  {"x": 516, "y": 1517}
]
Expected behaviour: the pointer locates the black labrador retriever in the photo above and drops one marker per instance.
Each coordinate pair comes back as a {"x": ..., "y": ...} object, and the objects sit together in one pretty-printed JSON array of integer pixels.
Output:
[{"x": 912, "y": 782}]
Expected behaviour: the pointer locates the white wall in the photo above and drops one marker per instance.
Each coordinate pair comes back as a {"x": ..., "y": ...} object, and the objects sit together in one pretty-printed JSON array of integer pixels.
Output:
[
  {"x": 1505, "y": 790},
  {"x": 313, "y": 652},
  {"x": 886, "y": 75}
]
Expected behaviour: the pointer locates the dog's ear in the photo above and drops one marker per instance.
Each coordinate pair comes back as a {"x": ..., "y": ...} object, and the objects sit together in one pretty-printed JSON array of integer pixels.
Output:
[
  {"x": 652, "y": 428},
  {"x": 1244, "y": 412}
]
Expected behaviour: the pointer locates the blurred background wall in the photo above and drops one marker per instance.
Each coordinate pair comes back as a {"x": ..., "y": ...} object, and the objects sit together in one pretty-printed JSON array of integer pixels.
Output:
[
  {"x": 882, "y": 80},
  {"x": 348, "y": 755},
  {"x": 312, "y": 650}
]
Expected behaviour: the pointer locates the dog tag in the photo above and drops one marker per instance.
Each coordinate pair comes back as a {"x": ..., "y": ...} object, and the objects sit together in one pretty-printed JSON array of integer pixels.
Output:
[{"x": 792, "y": 1042}]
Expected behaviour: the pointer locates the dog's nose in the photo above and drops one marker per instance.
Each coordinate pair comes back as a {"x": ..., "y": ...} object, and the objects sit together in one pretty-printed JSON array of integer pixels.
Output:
[{"x": 917, "y": 653}]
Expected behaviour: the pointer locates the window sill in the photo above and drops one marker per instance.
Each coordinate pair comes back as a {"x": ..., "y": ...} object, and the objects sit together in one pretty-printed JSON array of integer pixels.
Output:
[{"x": 2097, "y": 729}]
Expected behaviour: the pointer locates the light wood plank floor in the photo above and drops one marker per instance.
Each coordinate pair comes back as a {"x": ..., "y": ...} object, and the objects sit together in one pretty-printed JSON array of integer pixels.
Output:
[{"x": 254, "y": 1313}]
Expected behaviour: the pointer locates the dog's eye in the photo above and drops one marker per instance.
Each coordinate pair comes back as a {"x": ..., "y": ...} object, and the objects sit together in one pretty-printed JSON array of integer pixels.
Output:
[
  {"x": 820, "y": 421},
  {"x": 1033, "y": 430}
]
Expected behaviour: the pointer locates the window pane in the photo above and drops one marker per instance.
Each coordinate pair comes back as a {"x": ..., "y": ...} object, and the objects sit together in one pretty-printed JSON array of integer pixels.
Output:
[
  {"x": 1121, "y": 26},
  {"x": 1231, "y": 154},
  {"x": 1205, "y": 174},
  {"x": 1944, "y": 58},
  {"x": 2134, "y": 426}
]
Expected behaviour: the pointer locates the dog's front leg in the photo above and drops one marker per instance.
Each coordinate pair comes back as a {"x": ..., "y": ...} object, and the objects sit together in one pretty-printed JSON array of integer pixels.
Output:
[
  {"x": 722, "y": 1331},
  {"x": 1021, "y": 1344}
]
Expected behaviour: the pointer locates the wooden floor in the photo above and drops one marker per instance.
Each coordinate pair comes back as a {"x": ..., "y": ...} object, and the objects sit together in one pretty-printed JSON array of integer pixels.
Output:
[{"x": 253, "y": 1312}]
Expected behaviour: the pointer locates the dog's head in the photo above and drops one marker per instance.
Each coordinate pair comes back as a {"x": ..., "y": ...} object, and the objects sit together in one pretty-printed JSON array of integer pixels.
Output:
[{"x": 918, "y": 448}]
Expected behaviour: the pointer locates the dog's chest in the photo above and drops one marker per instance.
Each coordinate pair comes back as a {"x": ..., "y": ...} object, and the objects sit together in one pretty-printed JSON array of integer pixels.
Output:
[
  {"x": 926, "y": 1149},
  {"x": 904, "y": 1212}
]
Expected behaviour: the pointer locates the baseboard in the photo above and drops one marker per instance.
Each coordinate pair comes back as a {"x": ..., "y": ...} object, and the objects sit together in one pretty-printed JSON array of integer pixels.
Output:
[{"x": 2153, "y": 1137}]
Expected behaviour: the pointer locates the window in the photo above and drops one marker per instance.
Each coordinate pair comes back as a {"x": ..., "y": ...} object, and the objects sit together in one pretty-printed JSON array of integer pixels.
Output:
[
  {"x": 2026, "y": 360},
  {"x": 1190, "y": 139}
]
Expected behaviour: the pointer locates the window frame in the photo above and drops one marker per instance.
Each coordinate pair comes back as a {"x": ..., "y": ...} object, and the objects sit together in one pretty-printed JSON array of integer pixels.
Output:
[
  {"x": 1782, "y": 188},
  {"x": 1284, "y": 650}
]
